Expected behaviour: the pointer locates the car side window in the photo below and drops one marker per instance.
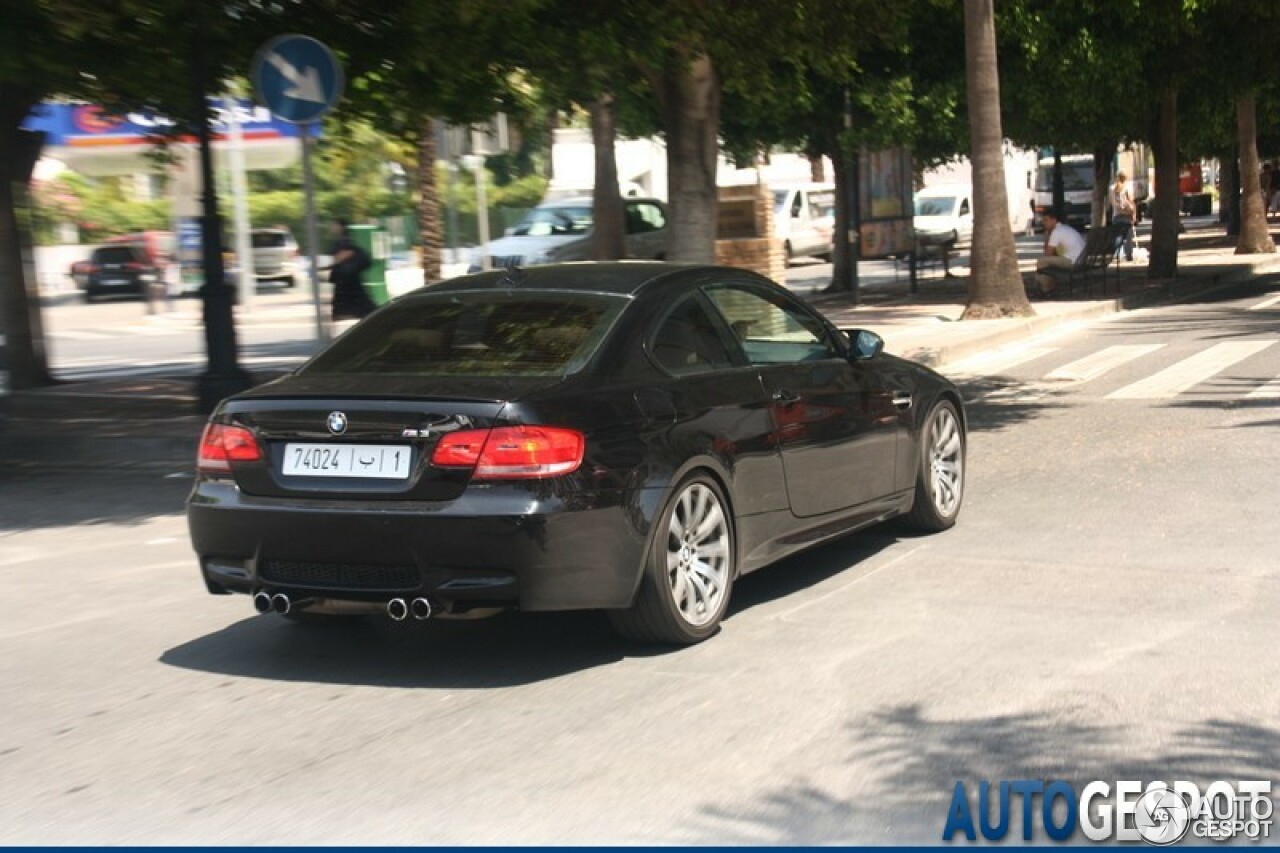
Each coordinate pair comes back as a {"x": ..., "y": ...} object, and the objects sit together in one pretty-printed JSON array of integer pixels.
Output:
[
  {"x": 643, "y": 217},
  {"x": 964, "y": 207},
  {"x": 771, "y": 330},
  {"x": 687, "y": 341},
  {"x": 797, "y": 206}
]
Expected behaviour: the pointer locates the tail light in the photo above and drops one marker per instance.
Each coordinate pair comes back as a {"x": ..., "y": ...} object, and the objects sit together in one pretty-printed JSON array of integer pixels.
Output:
[
  {"x": 512, "y": 453},
  {"x": 223, "y": 444},
  {"x": 133, "y": 265}
]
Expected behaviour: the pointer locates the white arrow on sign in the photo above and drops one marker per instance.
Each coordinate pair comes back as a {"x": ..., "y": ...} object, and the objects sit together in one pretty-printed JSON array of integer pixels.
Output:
[{"x": 304, "y": 85}]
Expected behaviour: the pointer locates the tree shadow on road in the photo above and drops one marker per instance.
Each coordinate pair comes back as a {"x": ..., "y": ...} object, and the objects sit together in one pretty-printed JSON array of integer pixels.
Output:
[
  {"x": 33, "y": 497},
  {"x": 996, "y": 403},
  {"x": 918, "y": 759}
]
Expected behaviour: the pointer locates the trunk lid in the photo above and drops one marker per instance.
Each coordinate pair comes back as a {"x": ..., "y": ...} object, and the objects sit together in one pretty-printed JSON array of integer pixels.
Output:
[{"x": 363, "y": 438}]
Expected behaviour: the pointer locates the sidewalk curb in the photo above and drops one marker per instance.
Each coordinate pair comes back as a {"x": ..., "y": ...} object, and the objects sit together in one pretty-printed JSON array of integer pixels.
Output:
[{"x": 1015, "y": 330}]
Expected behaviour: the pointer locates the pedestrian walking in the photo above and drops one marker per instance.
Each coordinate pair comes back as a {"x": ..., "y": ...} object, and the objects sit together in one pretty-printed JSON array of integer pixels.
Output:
[
  {"x": 350, "y": 300},
  {"x": 1124, "y": 213}
]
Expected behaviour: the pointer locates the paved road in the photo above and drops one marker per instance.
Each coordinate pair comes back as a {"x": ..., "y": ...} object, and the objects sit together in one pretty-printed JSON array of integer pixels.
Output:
[{"x": 1106, "y": 608}]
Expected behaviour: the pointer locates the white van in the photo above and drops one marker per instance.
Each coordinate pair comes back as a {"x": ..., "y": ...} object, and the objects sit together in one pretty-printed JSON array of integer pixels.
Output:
[
  {"x": 944, "y": 214},
  {"x": 805, "y": 219}
]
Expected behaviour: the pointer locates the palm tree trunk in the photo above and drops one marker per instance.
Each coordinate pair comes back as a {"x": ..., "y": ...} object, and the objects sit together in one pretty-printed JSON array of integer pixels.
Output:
[
  {"x": 429, "y": 225},
  {"x": 1255, "y": 237},
  {"x": 995, "y": 285},
  {"x": 609, "y": 238},
  {"x": 1166, "y": 212},
  {"x": 690, "y": 101}
]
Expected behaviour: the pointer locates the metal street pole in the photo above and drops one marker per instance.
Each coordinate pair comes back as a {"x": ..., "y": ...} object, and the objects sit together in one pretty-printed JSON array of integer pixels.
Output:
[
  {"x": 482, "y": 212},
  {"x": 240, "y": 202},
  {"x": 313, "y": 237}
]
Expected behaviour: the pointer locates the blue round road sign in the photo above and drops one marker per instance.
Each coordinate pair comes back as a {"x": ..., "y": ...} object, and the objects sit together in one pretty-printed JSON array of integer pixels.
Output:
[{"x": 297, "y": 78}]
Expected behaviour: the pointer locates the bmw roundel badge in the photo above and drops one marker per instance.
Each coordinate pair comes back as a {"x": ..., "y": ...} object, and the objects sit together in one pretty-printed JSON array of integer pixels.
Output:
[{"x": 337, "y": 423}]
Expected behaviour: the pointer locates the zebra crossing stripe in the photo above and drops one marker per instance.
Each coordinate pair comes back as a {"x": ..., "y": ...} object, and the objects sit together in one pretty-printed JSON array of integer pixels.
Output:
[
  {"x": 996, "y": 362},
  {"x": 1266, "y": 303},
  {"x": 1270, "y": 391},
  {"x": 1094, "y": 365},
  {"x": 1190, "y": 371},
  {"x": 76, "y": 335}
]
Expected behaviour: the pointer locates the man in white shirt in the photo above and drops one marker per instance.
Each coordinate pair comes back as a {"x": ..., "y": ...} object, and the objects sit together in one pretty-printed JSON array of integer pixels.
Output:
[{"x": 1063, "y": 245}]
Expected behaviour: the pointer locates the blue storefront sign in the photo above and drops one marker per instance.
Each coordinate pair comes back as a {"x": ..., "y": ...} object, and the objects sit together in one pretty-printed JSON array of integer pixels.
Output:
[{"x": 88, "y": 125}]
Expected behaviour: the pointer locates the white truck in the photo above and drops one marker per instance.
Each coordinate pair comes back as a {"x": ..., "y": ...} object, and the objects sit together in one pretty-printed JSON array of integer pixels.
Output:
[{"x": 1077, "y": 183}]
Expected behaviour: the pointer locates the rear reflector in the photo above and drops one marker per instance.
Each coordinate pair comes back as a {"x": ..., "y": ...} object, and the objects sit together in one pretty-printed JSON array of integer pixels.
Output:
[
  {"x": 512, "y": 453},
  {"x": 222, "y": 444}
]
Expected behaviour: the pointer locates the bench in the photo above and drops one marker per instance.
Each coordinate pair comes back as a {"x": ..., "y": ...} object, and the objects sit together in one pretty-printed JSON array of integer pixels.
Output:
[{"x": 1093, "y": 263}]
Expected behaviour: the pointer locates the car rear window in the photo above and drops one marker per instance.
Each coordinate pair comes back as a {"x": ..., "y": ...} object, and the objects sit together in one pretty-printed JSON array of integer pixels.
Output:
[
  {"x": 269, "y": 239},
  {"x": 476, "y": 333},
  {"x": 118, "y": 255}
]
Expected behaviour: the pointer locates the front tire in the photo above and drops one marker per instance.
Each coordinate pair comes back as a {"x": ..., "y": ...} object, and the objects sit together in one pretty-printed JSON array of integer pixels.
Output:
[
  {"x": 940, "y": 476},
  {"x": 689, "y": 573}
]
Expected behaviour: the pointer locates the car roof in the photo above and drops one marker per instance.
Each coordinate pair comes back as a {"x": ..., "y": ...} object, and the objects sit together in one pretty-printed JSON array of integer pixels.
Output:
[
  {"x": 618, "y": 277},
  {"x": 586, "y": 201},
  {"x": 945, "y": 189}
]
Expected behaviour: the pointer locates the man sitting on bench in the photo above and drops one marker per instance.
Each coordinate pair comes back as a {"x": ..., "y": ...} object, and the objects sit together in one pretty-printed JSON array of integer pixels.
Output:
[{"x": 1063, "y": 246}]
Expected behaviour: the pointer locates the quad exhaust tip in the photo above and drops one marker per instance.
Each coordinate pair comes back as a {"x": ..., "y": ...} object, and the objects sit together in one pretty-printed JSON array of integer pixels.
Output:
[
  {"x": 262, "y": 602},
  {"x": 421, "y": 609},
  {"x": 280, "y": 603},
  {"x": 397, "y": 609}
]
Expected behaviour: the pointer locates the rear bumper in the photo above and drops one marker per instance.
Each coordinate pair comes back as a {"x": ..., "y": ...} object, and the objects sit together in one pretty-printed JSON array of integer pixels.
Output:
[{"x": 499, "y": 546}]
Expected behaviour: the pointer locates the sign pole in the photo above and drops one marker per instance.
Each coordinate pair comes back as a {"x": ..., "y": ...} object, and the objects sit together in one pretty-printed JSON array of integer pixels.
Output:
[
  {"x": 313, "y": 237},
  {"x": 299, "y": 79}
]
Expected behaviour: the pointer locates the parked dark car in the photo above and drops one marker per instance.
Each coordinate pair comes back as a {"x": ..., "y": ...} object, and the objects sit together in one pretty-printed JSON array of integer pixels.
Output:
[
  {"x": 628, "y": 436},
  {"x": 119, "y": 270}
]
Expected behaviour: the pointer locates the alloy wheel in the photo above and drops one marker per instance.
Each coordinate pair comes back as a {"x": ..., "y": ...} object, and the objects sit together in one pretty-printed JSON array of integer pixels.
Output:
[
  {"x": 946, "y": 462},
  {"x": 698, "y": 555}
]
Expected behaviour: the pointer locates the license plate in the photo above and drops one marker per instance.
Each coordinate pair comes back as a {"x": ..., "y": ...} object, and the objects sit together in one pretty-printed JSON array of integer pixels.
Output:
[{"x": 380, "y": 461}]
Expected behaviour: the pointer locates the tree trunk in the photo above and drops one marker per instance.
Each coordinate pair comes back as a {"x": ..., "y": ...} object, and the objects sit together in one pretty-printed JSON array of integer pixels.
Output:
[
  {"x": 690, "y": 102},
  {"x": 1059, "y": 194},
  {"x": 1102, "y": 155},
  {"x": 1167, "y": 209},
  {"x": 1230, "y": 201},
  {"x": 1255, "y": 237},
  {"x": 608, "y": 224},
  {"x": 20, "y": 318},
  {"x": 995, "y": 285},
  {"x": 430, "y": 229},
  {"x": 816, "y": 171},
  {"x": 841, "y": 256}
]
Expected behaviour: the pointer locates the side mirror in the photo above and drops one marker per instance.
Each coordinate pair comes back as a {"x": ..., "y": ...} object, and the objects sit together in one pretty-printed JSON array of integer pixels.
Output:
[{"x": 863, "y": 345}]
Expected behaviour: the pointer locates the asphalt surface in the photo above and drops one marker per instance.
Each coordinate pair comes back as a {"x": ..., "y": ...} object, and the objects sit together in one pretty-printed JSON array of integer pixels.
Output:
[{"x": 1105, "y": 609}]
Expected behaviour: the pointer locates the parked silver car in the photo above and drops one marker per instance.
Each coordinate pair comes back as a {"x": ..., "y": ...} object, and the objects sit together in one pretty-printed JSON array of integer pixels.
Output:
[
  {"x": 275, "y": 255},
  {"x": 560, "y": 230}
]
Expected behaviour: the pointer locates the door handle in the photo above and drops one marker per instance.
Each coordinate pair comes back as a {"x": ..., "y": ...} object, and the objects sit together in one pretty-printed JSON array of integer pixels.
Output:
[
  {"x": 785, "y": 397},
  {"x": 902, "y": 399}
]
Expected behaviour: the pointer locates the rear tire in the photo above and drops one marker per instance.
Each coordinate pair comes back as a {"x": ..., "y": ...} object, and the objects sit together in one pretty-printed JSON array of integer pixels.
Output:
[
  {"x": 940, "y": 474},
  {"x": 689, "y": 573}
]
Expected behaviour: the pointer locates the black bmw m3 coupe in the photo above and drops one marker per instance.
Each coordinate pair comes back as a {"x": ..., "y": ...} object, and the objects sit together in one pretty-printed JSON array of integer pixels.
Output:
[{"x": 629, "y": 437}]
